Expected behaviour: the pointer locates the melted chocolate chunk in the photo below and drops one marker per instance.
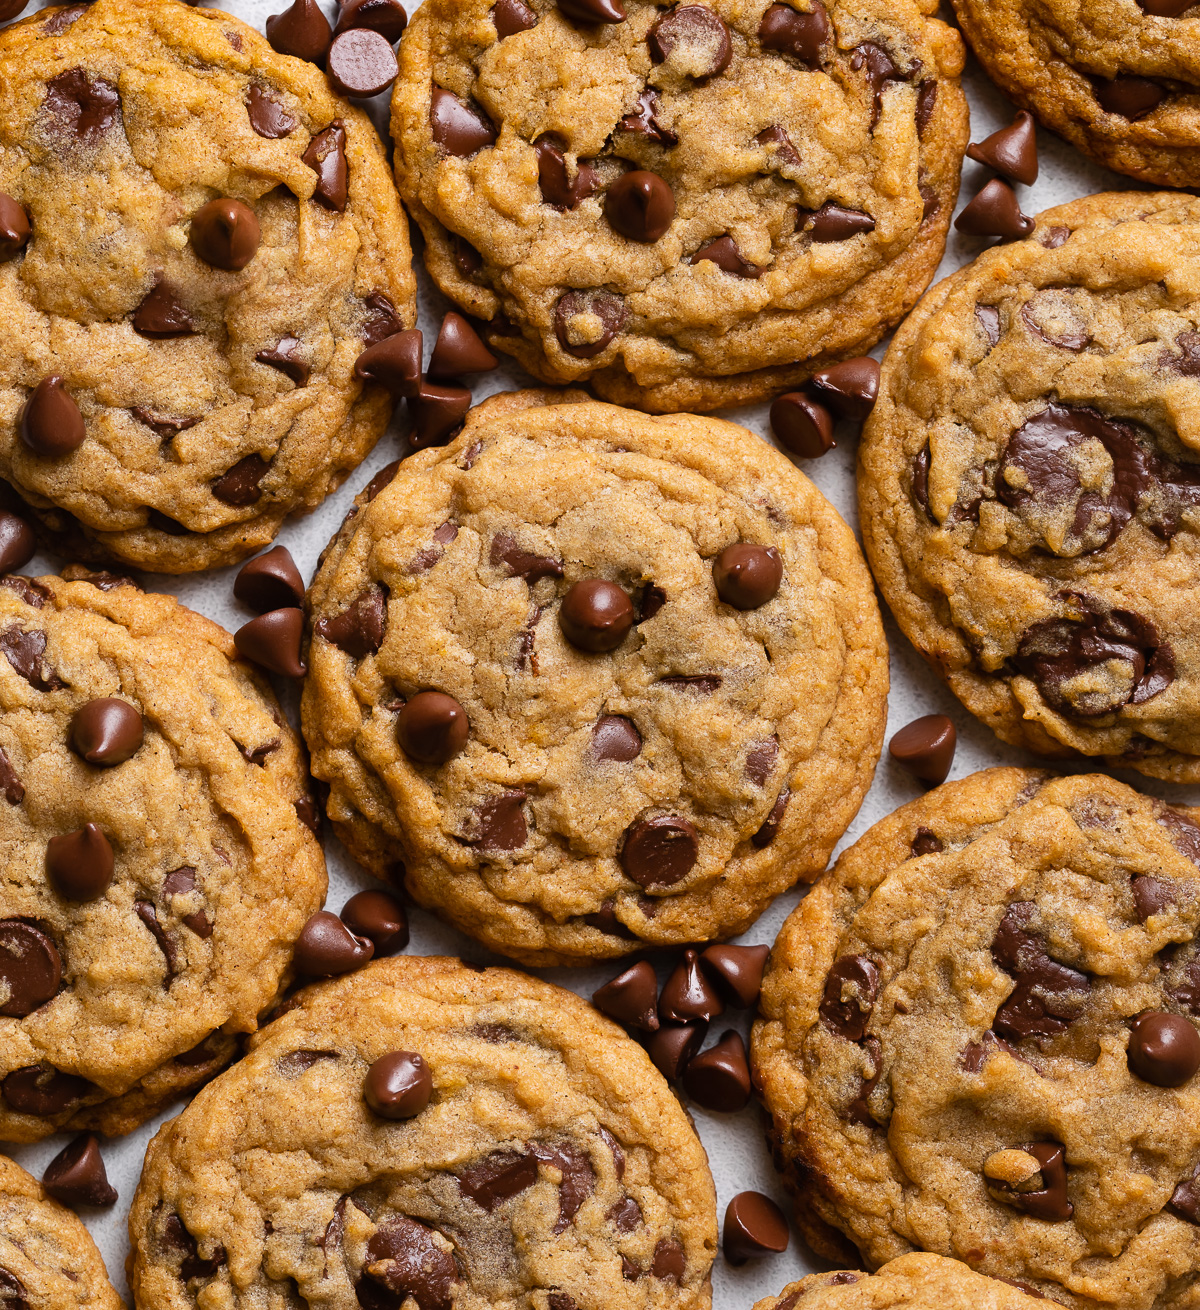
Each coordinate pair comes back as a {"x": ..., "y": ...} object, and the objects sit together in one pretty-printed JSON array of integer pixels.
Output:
[
  {"x": 25, "y": 651},
  {"x": 926, "y": 103},
  {"x": 182, "y": 882},
  {"x": 1048, "y": 1201},
  {"x": 404, "y": 1257},
  {"x": 778, "y": 144},
  {"x": 81, "y": 105},
  {"x": 790, "y": 32},
  {"x": 14, "y": 788},
  {"x": 643, "y": 121},
  {"x": 326, "y": 156},
  {"x": 267, "y": 116},
  {"x": 625, "y": 1215},
  {"x": 149, "y": 916},
  {"x": 161, "y": 314},
  {"x": 1053, "y": 316},
  {"x": 501, "y": 820},
  {"x": 587, "y": 322},
  {"x": 699, "y": 684},
  {"x": 30, "y": 967},
  {"x": 522, "y": 563},
  {"x": 160, "y": 424},
  {"x": 558, "y": 189},
  {"x": 239, "y": 486},
  {"x": 988, "y": 318},
  {"x": 578, "y": 1178},
  {"x": 1187, "y": 362},
  {"x": 359, "y": 628},
  {"x": 41, "y": 1089},
  {"x": 1152, "y": 895},
  {"x": 1048, "y": 996},
  {"x": 926, "y": 842},
  {"x": 920, "y": 477},
  {"x": 880, "y": 69},
  {"x": 851, "y": 988},
  {"x": 1185, "y": 832},
  {"x": 498, "y": 1177},
  {"x": 615, "y": 738}
]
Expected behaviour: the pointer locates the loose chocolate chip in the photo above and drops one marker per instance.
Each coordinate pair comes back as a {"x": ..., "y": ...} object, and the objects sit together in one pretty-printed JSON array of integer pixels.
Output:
[
  {"x": 659, "y": 852},
  {"x": 851, "y": 988},
  {"x": 225, "y": 234},
  {"x": 880, "y": 69},
  {"x": 287, "y": 358},
  {"x": 30, "y": 967},
  {"x": 630, "y": 997},
  {"x": 625, "y": 1214},
  {"x": 327, "y": 948},
  {"x": 302, "y": 31},
  {"x": 792, "y": 33},
  {"x": 687, "y": 994},
  {"x": 754, "y": 1225},
  {"x": 595, "y": 615},
  {"x": 849, "y": 388},
  {"x": 459, "y": 349},
  {"x": 616, "y": 738},
  {"x": 361, "y": 63},
  {"x": 1152, "y": 895},
  {"x": 586, "y": 322},
  {"x": 17, "y": 542},
  {"x": 272, "y": 581},
  {"x": 994, "y": 212},
  {"x": 239, "y": 485},
  {"x": 557, "y": 188},
  {"x": 778, "y": 144},
  {"x": 511, "y": 17},
  {"x": 432, "y": 727},
  {"x": 724, "y": 253},
  {"x": 459, "y": 128},
  {"x": 719, "y": 1078},
  {"x": 51, "y": 424},
  {"x": 1012, "y": 151},
  {"x": 737, "y": 970},
  {"x": 693, "y": 40},
  {"x": 1048, "y": 1201},
  {"x": 405, "y": 1258},
  {"x": 501, "y": 822},
  {"x": 40, "y": 1088},
  {"x": 766, "y": 834},
  {"x": 578, "y": 1178},
  {"x": 592, "y": 11},
  {"x": 84, "y": 106},
  {"x": 644, "y": 123},
  {"x": 1128, "y": 96},
  {"x": 802, "y": 425},
  {"x": 925, "y": 748},
  {"x": 498, "y": 1178},
  {"x": 267, "y": 116},
  {"x": 522, "y": 563},
  {"x": 273, "y": 641},
  {"x": 1164, "y": 1049},
  {"x": 437, "y": 414},
  {"x": 1048, "y": 996},
  {"x": 673, "y": 1046},
  {"x": 380, "y": 917},
  {"x": 359, "y": 628},
  {"x": 12, "y": 786},
  {"x": 14, "y": 228},
  {"x": 80, "y": 864},
  {"x": 398, "y": 1085},
  {"x": 394, "y": 362},
  {"x": 76, "y": 1175},
  {"x": 926, "y": 103},
  {"x": 746, "y": 575},
  {"x": 182, "y": 882},
  {"x": 387, "y": 17},
  {"x": 326, "y": 156},
  {"x": 106, "y": 731},
  {"x": 25, "y": 651},
  {"x": 640, "y": 206}
]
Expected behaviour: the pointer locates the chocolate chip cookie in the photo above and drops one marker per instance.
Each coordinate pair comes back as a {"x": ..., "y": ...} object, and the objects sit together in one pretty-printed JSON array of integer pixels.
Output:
[
  {"x": 197, "y": 240},
  {"x": 1029, "y": 483},
  {"x": 688, "y": 206},
  {"x": 47, "y": 1256},
  {"x": 586, "y": 679},
  {"x": 158, "y": 866},
  {"x": 980, "y": 1039},
  {"x": 1119, "y": 79},
  {"x": 424, "y": 1133}
]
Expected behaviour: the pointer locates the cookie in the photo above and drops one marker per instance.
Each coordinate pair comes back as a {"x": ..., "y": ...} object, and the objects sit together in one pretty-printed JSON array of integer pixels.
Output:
[
  {"x": 158, "y": 866},
  {"x": 979, "y": 1039},
  {"x": 47, "y": 1256},
  {"x": 910, "y": 1282},
  {"x": 587, "y": 680},
  {"x": 429, "y": 1134},
  {"x": 1029, "y": 483},
  {"x": 688, "y": 207},
  {"x": 1117, "y": 80},
  {"x": 201, "y": 240}
]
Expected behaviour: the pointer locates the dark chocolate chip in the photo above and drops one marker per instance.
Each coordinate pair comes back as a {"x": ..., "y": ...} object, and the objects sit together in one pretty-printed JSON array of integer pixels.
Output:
[
  {"x": 926, "y": 103},
  {"x": 405, "y": 1258},
  {"x": 501, "y": 822},
  {"x": 746, "y": 575},
  {"x": 432, "y": 727},
  {"x": 578, "y": 1178},
  {"x": 595, "y": 615},
  {"x": 165, "y": 943},
  {"x": 82, "y": 105},
  {"x": 40, "y": 1088},
  {"x": 1157, "y": 8},
  {"x": 302, "y": 31},
  {"x": 272, "y": 581},
  {"x": 557, "y": 187},
  {"x": 361, "y": 63},
  {"x": 239, "y": 485},
  {"x": 32, "y": 593},
  {"x": 719, "y": 1078},
  {"x": 511, "y": 17},
  {"x": 398, "y": 1085},
  {"x": 58, "y": 22},
  {"x": 615, "y": 738},
  {"x": 879, "y": 69},
  {"x": 659, "y": 852},
  {"x": 1185, "y": 832},
  {"x": 630, "y": 998},
  {"x": 359, "y": 629},
  {"x": 438, "y": 413},
  {"x": 644, "y": 122},
  {"x": 76, "y": 1175},
  {"x": 498, "y": 1178},
  {"x": 162, "y": 314},
  {"x": 383, "y": 478},
  {"x": 459, "y": 349},
  {"x": 10, "y": 783},
  {"x": 308, "y": 814},
  {"x": 640, "y": 206},
  {"x": 833, "y": 222},
  {"x": 14, "y": 228},
  {"x": 287, "y": 357},
  {"x": 693, "y": 39},
  {"x": 192, "y": 1265},
  {"x": 394, "y": 362},
  {"x": 80, "y": 864},
  {"x": 25, "y": 651},
  {"x": 386, "y": 17},
  {"x": 1164, "y": 1049},
  {"x": 327, "y": 948},
  {"x": 925, "y": 748},
  {"x": 849, "y": 388},
  {"x": 605, "y": 920},
  {"x": 326, "y": 156},
  {"x": 379, "y": 916},
  {"x": 382, "y": 320},
  {"x": 106, "y": 731},
  {"x": 724, "y": 253},
  {"x": 30, "y": 967},
  {"x": 13, "y": 1293},
  {"x": 225, "y": 234},
  {"x": 851, "y": 989},
  {"x": 592, "y": 11},
  {"x": 428, "y": 556},
  {"x": 273, "y": 641},
  {"x": 802, "y": 425},
  {"x": 522, "y": 563},
  {"x": 668, "y": 1262},
  {"x": 766, "y": 834},
  {"x": 259, "y": 754},
  {"x": 1047, "y": 996},
  {"x": 1049, "y": 1201},
  {"x": 995, "y": 212},
  {"x": 926, "y": 842},
  {"x": 791, "y": 32},
  {"x": 267, "y": 116},
  {"x": 760, "y": 760},
  {"x": 754, "y": 1226},
  {"x": 650, "y": 602},
  {"x": 51, "y": 424},
  {"x": 687, "y": 994},
  {"x": 1152, "y": 895},
  {"x": 673, "y": 1046},
  {"x": 1012, "y": 151},
  {"x": 467, "y": 259},
  {"x": 587, "y": 322},
  {"x": 459, "y": 128},
  {"x": 1129, "y": 96},
  {"x": 17, "y": 542},
  {"x": 737, "y": 971}
]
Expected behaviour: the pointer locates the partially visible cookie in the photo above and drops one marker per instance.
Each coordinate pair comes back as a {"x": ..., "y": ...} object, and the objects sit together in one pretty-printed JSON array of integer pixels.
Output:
[
  {"x": 692, "y": 206},
  {"x": 158, "y": 866},
  {"x": 424, "y": 1133},
  {"x": 48, "y": 1260},
  {"x": 203, "y": 241},
  {"x": 1029, "y": 483},
  {"x": 979, "y": 1039},
  {"x": 586, "y": 679}
]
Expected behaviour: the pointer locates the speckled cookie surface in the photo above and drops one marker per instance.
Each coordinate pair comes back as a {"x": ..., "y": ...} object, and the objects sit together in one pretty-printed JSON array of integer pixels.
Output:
[
  {"x": 1029, "y": 483},
  {"x": 752, "y": 117},
  {"x": 957, "y": 1049},
  {"x": 551, "y": 1167},
  {"x": 109, "y": 987},
  {"x": 1120, "y": 79},
  {"x": 752, "y": 734},
  {"x": 48, "y": 1260},
  {"x": 236, "y": 403}
]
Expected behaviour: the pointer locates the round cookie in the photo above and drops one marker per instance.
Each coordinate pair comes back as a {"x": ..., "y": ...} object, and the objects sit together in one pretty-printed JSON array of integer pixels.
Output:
[
  {"x": 580, "y": 803},
  {"x": 541, "y": 1160},
  {"x": 158, "y": 866},
  {"x": 910, "y": 1282},
  {"x": 979, "y": 1039},
  {"x": 48, "y": 1260},
  {"x": 1029, "y": 483},
  {"x": 149, "y": 148},
  {"x": 689, "y": 207},
  {"x": 1119, "y": 79}
]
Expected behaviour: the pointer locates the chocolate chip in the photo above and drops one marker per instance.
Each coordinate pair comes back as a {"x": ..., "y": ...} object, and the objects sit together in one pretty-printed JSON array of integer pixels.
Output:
[
  {"x": 361, "y": 63},
  {"x": 383, "y": 478},
  {"x": 80, "y": 864},
  {"x": 737, "y": 970},
  {"x": 578, "y": 1179},
  {"x": 692, "y": 39},
  {"x": 851, "y": 988},
  {"x": 659, "y": 852},
  {"x": 30, "y": 967},
  {"x": 267, "y": 116},
  {"x": 459, "y": 128},
  {"x": 849, "y": 388},
  {"x": 592, "y": 11},
  {"x": 432, "y": 727},
  {"x": 925, "y": 748},
  {"x": 182, "y": 882},
  {"x": 719, "y": 1078},
  {"x": 32, "y": 593},
  {"x": 668, "y": 1261},
  {"x": 1048, "y": 996},
  {"x": 308, "y": 814},
  {"x": 1152, "y": 895},
  {"x": 51, "y": 424},
  {"x": 498, "y": 1178},
  {"x": 766, "y": 834},
  {"x": 994, "y": 212},
  {"x": 13, "y": 1293},
  {"x": 17, "y": 542},
  {"x": 926, "y": 103},
  {"x": 58, "y": 22},
  {"x": 326, "y": 156},
  {"x": 295, "y": 1063},
  {"x": 595, "y": 615},
  {"x": 359, "y": 628},
  {"x": 833, "y": 222},
  {"x": 511, "y": 17},
  {"x": 14, "y": 228},
  {"x": 724, "y": 253},
  {"x": 1052, "y": 316},
  {"x": 258, "y": 754},
  {"x": 162, "y": 425},
  {"x": 428, "y": 556},
  {"x": 24, "y": 651},
  {"x": 1012, "y": 151},
  {"x": 40, "y": 1088},
  {"x": 501, "y": 822},
  {"x": 272, "y": 581},
  {"x": 84, "y": 106},
  {"x": 273, "y": 641},
  {"x": 12, "y": 786},
  {"x": 225, "y": 234},
  {"x": 522, "y": 563},
  {"x": 988, "y": 318},
  {"x": 778, "y": 144},
  {"x": 1053, "y": 237},
  {"x": 394, "y": 362},
  {"x": 643, "y": 121},
  {"x": 467, "y": 259},
  {"x": 925, "y": 842},
  {"x": 760, "y": 760},
  {"x": 380, "y": 917},
  {"x": 302, "y": 31},
  {"x": 437, "y": 414},
  {"x": 802, "y": 36},
  {"x": 880, "y": 69},
  {"x": 387, "y": 17},
  {"x": 288, "y": 358},
  {"x": 405, "y": 1258},
  {"x": 1128, "y": 96},
  {"x": 650, "y": 602},
  {"x": 746, "y": 575},
  {"x": 625, "y": 1214},
  {"x": 615, "y": 738},
  {"x": 398, "y": 1085},
  {"x": 557, "y": 188},
  {"x": 106, "y": 731},
  {"x": 1156, "y": 8},
  {"x": 239, "y": 485},
  {"x": 754, "y": 1226},
  {"x": 327, "y": 948},
  {"x": 1185, "y": 833},
  {"x": 76, "y": 1175},
  {"x": 673, "y": 1046},
  {"x": 459, "y": 349},
  {"x": 640, "y": 206},
  {"x": 605, "y": 920},
  {"x": 701, "y": 684},
  {"x": 192, "y": 1265},
  {"x": 802, "y": 425},
  {"x": 586, "y": 322},
  {"x": 1164, "y": 1049},
  {"x": 688, "y": 994},
  {"x": 630, "y": 998},
  {"x": 166, "y": 944},
  {"x": 1047, "y": 1202}
]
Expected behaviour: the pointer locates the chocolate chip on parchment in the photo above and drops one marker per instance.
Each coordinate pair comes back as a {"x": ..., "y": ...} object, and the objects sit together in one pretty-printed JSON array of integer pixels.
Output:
[
  {"x": 438, "y": 412},
  {"x": 387, "y": 17},
  {"x": 850, "y": 388},
  {"x": 379, "y": 916},
  {"x": 76, "y": 1175},
  {"x": 302, "y": 31},
  {"x": 754, "y": 1226},
  {"x": 719, "y": 1078},
  {"x": 273, "y": 641},
  {"x": 737, "y": 971},
  {"x": 687, "y": 994},
  {"x": 631, "y": 997},
  {"x": 17, "y": 542},
  {"x": 802, "y": 425},
  {"x": 925, "y": 748},
  {"x": 398, "y": 1085},
  {"x": 270, "y": 581},
  {"x": 459, "y": 349},
  {"x": 327, "y": 948},
  {"x": 995, "y": 212},
  {"x": 394, "y": 362},
  {"x": 673, "y": 1046},
  {"x": 1012, "y": 151},
  {"x": 361, "y": 62}
]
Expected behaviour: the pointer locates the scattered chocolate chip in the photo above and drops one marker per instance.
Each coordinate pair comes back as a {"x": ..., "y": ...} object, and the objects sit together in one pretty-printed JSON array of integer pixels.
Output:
[
  {"x": 106, "y": 731},
  {"x": 40, "y": 1088},
  {"x": 1048, "y": 1201},
  {"x": 724, "y": 253},
  {"x": 239, "y": 485},
  {"x": 643, "y": 121},
  {"x": 272, "y": 581},
  {"x": 498, "y": 1178},
  {"x": 302, "y": 31},
  {"x": 1152, "y": 895},
  {"x": 267, "y": 116},
  {"x": 361, "y": 63},
  {"x": 719, "y": 1078},
  {"x": 1048, "y": 996},
  {"x": 833, "y": 222},
  {"x": 51, "y": 424},
  {"x": 925, "y": 748},
  {"x": 30, "y": 968},
  {"x": 14, "y": 227},
  {"x": 17, "y": 542},
  {"x": 746, "y": 575},
  {"x": 76, "y": 1175},
  {"x": 84, "y": 106},
  {"x": 1128, "y": 96},
  {"x": 754, "y": 1226},
  {"x": 557, "y": 188},
  {"x": 851, "y": 989},
  {"x": 615, "y": 738},
  {"x": 790, "y": 32},
  {"x": 225, "y": 234},
  {"x": 327, "y": 948},
  {"x": 288, "y": 358},
  {"x": 387, "y": 17},
  {"x": 326, "y": 156},
  {"x": 80, "y": 864},
  {"x": 295, "y": 1063},
  {"x": 737, "y": 971},
  {"x": 767, "y": 833},
  {"x": 994, "y": 212},
  {"x": 1012, "y": 151},
  {"x": 673, "y": 1046},
  {"x": 379, "y": 916},
  {"x": 640, "y": 206},
  {"x": 182, "y": 882},
  {"x": 659, "y": 852},
  {"x": 511, "y": 17},
  {"x": 849, "y": 388},
  {"x": 688, "y": 994},
  {"x": 12, "y": 786},
  {"x": 459, "y": 128},
  {"x": 578, "y": 1178},
  {"x": 586, "y": 322},
  {"x": 1164, "y": 1049},
  {"x": 692, "y": 39},
  {"x": 359, "y": 628},
  {"x": 432, "y": 727},
  {"x": 630, "y": 998},
  {"x": 459, "y": 349},
  {"x": 595, "y": 615},
  {"x": 394, "y": 362},
  {"x": 398, "y": 1085},
  {"x": 273, "y": 641},
  {"x": 592, "y": 11},
  {"x": 437, "y": 414},
  {"x": 802, "y": 425},
  {"x": 879, "y": 69}
]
